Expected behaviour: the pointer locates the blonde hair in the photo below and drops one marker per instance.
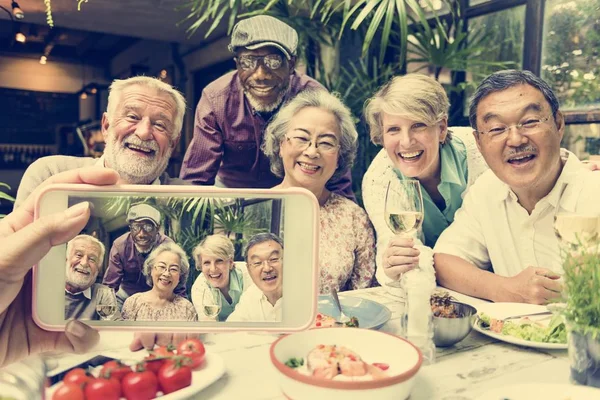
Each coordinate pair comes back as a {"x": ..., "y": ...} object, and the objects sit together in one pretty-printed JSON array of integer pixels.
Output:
[
  {"x": 118, "y": 85},
  {"x": 414, "y": 96},
  {"x": 90, "y": 239},
  {"x": 214, "y": 245}
]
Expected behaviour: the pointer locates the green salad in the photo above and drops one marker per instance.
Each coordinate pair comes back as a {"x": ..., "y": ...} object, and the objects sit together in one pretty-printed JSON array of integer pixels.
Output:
[{"x": 529, "y": 330}]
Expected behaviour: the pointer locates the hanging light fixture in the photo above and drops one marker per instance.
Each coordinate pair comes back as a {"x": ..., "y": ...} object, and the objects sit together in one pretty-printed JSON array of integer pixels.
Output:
[
  {"x": 43, "y": 60},
  {"x": 16, "y": 10}
]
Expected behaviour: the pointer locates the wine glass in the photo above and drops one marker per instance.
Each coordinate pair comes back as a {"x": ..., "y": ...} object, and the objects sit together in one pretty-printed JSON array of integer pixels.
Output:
[
  {"x": 106, "y": 303},
  {"x": 403, "y": 209},
  {"x": 211, "y": 302}
]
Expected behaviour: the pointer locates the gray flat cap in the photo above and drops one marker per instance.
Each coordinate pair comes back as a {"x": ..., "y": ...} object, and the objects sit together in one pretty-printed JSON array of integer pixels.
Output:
[{"x": 263, "y": 30}]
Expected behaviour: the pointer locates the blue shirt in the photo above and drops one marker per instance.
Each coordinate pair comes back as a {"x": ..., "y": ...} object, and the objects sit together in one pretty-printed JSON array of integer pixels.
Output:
[{"x": 454, "y": 178}]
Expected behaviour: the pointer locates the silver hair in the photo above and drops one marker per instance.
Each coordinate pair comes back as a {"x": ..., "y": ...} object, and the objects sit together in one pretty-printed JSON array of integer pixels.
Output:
[
  {"x": 118, "y": 85},
  {"x": 279, "y": 126},
  {"x": 184, "y": 264},
  {"x": 89, "y": 238},
  {"x": 261, "y": 238}
]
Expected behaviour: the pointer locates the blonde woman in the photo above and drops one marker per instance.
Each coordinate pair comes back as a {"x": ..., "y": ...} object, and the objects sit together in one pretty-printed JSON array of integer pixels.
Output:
[
  {"x": 409, "y": 117},
  {"x": 214, "y": 257}
]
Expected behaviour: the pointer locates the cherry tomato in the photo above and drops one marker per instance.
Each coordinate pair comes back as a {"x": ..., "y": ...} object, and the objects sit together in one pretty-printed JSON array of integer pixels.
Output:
[
  {"x": 194, "y": 349},
  {"x": 174, "y": 376},
  {"x": 68, "y": 391},
  {"x": 139, "y": 385},
  {"x": 77, "y": 376},
  {"x": 103, "y": 389},
  {"x": 114, "y": 369},
  {"x": 152, "y": 362},
  {"x": 381, "y": 366},
  {"x": 164, "y": 351}
]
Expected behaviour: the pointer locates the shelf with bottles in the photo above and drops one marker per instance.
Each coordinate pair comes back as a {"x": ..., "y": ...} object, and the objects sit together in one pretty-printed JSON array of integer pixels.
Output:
[{"x": 20, "y": 156}]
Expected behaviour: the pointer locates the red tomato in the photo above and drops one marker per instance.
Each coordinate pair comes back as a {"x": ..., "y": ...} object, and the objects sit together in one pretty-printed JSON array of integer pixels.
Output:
[
  {"x": 153, "y": 363},
  {"x": 103, "y": 389},
  {"x": 381, "y": 366},
  {"x": 139, "y": 385},
  {"x": 68, "y": 391},
  {"x": 174, "y": 376},
  {"x": 115, "y": 369},
  {"x": 194, "y": 349},
  {"x": 77, "y": 376},
  {"x": 164, "y": 351}
]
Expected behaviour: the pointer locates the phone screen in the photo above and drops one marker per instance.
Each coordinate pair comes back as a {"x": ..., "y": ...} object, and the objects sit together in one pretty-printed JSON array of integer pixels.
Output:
[{"x": 181, "y": 260}]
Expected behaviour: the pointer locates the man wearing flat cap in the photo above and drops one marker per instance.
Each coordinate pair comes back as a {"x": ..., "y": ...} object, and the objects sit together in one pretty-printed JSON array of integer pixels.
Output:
[
  {"x": 234, "y": 109},
  {"x": 130, "y": 250}
]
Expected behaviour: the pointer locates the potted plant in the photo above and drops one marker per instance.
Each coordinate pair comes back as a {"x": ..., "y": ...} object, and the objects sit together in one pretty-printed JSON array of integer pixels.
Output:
[{"x": 581, "y": 265}]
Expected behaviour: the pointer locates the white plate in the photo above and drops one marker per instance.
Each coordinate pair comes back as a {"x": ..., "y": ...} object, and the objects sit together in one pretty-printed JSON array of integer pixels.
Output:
[
  {"x": 504, "y": 310},
  {"x": 546, "y": 391},
  {"x": 213, "y": 369}
]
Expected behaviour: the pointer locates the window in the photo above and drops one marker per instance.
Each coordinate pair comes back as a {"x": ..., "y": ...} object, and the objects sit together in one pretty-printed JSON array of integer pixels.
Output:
[{"x": 570, "y": 57}]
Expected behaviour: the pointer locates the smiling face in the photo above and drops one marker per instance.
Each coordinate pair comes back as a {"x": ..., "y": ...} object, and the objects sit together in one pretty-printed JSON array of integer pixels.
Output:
[
  {"x": 312, "y": 167},
  {"x": 522, "y": 158},
  {"x": 82, "y": 265},
  {"x": 265, "y": 266},
  {"x": 166, "y": 271},
  {"x": 264, "y": 87},
  {"x": 216, "y": 270},
  {"x": 413, "y": 146},
  {"x": 139, "y": 136},
  {"x": 144, "y": 234}
]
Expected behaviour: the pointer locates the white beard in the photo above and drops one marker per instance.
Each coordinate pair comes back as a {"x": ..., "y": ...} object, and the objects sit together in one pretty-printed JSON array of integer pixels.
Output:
[
  {"x": 259, "y": 106},
  {"x": 132, "y": 169},
  {"x": 77, "y": 280}
]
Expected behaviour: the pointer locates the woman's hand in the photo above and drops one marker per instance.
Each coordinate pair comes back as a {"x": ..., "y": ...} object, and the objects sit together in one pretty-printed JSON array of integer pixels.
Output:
[
  {"x": 400, "y": 257},
  {"x": 24, "y": 243}
]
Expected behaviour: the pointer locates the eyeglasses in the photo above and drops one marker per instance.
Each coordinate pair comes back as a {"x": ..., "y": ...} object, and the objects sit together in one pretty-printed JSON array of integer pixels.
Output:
[
  {"x": 324, "y": 146},
  {"x": 271, "y": 261},
  {"x": 529, "y": 126},
  {"x": 271, "y": 61},
  {"x": 147, "y": 227},
  {"x": 163, "y": 268}
]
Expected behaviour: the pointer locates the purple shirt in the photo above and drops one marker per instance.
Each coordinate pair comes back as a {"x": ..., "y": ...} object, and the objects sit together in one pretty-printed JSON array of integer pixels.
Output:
[
  {"x": 125, "y": 266},
  {"x": 228, "y": 134}
]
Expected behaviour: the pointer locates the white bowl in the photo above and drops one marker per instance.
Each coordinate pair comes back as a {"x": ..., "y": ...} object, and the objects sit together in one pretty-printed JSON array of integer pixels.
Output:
[{"x": 372, "y": 346}]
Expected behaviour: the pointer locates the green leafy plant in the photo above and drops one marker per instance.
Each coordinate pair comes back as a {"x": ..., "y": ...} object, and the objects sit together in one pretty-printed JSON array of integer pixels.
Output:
[
  {"x": 5, "y": 196},
  {"x": 581, "y": 265}
]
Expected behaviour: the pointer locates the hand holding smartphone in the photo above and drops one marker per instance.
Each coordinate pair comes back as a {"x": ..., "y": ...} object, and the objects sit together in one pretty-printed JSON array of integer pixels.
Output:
[{"x": 147, "y": 251}]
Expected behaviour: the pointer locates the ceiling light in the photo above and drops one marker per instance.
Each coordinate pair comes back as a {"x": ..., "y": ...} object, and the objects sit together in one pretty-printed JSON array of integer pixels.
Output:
[
  {"x": 83, "y": 96},
  {"x": 93, "y": 90},
  {"x": 20, "y": 37},
  {"x": 16, "y": 10},
  {"x": 163, "y": 74},
  {"x": 43, "y": 60}
]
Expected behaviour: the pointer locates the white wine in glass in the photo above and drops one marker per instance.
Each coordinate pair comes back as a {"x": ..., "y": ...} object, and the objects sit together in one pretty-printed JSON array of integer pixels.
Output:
[
  {"x": 211, "y": 302},
  {"x": 106, "y": 306},
  {"x": 403, "y": 209}
]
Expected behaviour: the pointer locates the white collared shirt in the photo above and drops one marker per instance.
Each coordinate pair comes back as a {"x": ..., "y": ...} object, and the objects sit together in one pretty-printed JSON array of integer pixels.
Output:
[
  {"x": 87, "y": 293},
  {"x": 492, "y": 229},
  {"x": 255, "y": 307},
  {"x": 100, "y": 163}
]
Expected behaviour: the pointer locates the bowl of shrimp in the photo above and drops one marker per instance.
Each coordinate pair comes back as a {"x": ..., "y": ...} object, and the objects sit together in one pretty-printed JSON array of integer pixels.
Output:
[{"x": 345, "y": 364}]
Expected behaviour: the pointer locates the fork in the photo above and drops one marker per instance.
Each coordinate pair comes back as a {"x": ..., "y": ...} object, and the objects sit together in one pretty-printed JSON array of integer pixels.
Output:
[
  {"x": 343, "y": 317},
  {"x": 526, "y": 315}
]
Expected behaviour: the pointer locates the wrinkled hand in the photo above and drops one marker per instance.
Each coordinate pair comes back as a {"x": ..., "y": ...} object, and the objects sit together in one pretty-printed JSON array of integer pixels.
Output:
[
  {"x": 535, "y": 285},
  {"x": 400, "y": 257},
  {"x": 147, "y": 340},
  {"x": 24, "y": 243}
]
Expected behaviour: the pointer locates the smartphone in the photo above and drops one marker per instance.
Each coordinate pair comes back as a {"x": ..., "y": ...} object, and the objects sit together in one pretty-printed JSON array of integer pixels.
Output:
[{"x": 181, "y": 258}]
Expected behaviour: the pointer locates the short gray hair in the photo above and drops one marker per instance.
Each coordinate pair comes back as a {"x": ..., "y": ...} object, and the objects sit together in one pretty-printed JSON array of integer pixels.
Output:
[
  {"x": 261, "y": 238},
  {"x": 414, "y": 96},
  {"x": 184, "y": 264},
  {"x": 91, "y": 239},
  {"x": 502, "y": 80},
  {"x": 118, "y": 85},
  {"x": 279, "y": 126},
  {"x": 214, "y": 245}
]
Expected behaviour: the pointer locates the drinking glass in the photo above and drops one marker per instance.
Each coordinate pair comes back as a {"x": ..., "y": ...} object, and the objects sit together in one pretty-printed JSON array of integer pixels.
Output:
[
  {"x": 211, "y": 302},
  {"x": 403, "y": 209},
  {"x": 106, "y": 305}
]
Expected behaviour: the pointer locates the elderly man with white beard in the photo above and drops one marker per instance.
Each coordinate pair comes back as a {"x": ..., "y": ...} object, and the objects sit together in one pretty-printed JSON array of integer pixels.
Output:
[
  {"x": 141, "y": 126},
  {"x": 84, "y": 258}
]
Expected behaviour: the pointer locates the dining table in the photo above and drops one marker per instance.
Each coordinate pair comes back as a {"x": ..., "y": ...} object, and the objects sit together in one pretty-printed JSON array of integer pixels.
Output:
[{"x": 463, "y": 371}]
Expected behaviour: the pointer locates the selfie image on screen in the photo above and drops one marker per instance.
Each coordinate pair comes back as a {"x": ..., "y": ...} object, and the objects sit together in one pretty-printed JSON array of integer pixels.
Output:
[{"x": 177, "y": 259}]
